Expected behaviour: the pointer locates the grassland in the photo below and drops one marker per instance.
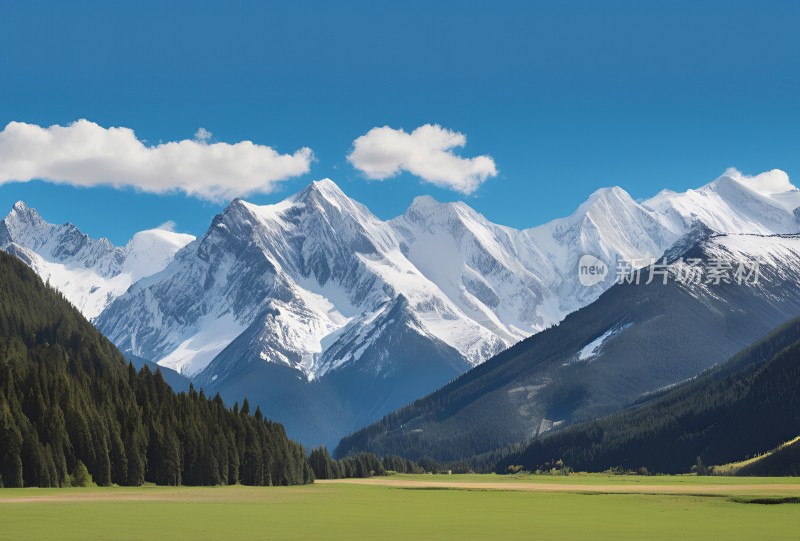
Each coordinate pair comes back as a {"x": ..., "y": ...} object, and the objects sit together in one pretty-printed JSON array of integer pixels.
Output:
[
  {"x": 603, "y": 479},
  {"x": 344, "y": 510}
]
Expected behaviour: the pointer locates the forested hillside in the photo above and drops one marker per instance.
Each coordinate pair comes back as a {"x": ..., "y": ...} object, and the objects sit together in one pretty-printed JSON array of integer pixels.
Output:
[
  {"x": 70, "y": 405},
  {"x": 784, "y": 460},
  {"x": 743, "y": 408}
]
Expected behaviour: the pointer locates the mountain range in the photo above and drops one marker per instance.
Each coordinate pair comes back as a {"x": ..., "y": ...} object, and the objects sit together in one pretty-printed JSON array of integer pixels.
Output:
[
  {"x": 330, "y": 318},
  {"x": 635, "y": 340},
  {"x": 90, "y": 273}
]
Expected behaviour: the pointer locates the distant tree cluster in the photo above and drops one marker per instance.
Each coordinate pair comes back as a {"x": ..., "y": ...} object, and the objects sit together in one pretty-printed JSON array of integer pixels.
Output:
[
  {"x": 399, "y": 464},
  {"x": 369, "y": 465},
  {"x": 357, "y": 466},
  {"x": 72, "y": 412}
]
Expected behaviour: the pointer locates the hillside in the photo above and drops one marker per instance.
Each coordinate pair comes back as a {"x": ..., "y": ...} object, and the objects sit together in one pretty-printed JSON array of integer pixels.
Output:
[
  {"x": 743, "y": 408},
  {"x": 67, "y": 398},
  {"x": 784, "y": 460},
  {"x": 633, "y": 341}
]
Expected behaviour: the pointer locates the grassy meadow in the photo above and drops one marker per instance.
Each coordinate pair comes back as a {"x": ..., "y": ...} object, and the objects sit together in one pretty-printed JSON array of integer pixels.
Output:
[{"x": 437, "y": 509}]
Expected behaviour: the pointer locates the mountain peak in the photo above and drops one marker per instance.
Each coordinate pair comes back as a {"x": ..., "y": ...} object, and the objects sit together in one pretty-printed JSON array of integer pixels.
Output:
[
  {"x": 423, "y": 201},
  {"x": 237, "y": 203},
  {"x": 726, "y": 181},
  {"x": 767, "y": 183},
  {"x": 325, "y": 184},
  {"x": 425, "y": 208},
  {"x": 605, "y": 200},
  {"x": 613, "y": 191},
  {"x": 235, "y": 208},
  {"x": 236, "y": 218},
  {"x": 21, "y": 212},
  {"x": 325, "y": 187},
  {"x": 325, "y": 192}
]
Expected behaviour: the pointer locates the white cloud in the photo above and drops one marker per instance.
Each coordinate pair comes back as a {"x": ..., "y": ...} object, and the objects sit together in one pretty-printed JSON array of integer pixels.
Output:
[
  {"x": 169, "y": 225},
  {"x": 85, "y": 154},
  {"x": 426, "y": 152},
  {"x": 769, "y": 182},
  {"x": 202, "y": 135}
]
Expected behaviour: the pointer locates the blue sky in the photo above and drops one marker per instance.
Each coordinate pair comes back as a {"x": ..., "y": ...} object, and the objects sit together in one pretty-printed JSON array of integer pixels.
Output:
[{"x": 566, "y": 97}]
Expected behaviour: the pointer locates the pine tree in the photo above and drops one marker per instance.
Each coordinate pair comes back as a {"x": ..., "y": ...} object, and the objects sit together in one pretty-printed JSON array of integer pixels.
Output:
[
  {"x": 10, "y": 449},
  {"x": 80, "y": 476},
  {"x": 73, "y": 409}
]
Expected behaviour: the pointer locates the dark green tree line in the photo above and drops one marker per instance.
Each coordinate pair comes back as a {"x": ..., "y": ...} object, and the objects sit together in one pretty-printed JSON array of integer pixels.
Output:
[
  {"x": 356, "y": 466},
  {"x": 70, "y": 406}
]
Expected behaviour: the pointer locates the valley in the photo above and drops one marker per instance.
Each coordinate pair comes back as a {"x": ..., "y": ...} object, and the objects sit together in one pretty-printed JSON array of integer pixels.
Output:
[
  {"x": 399, "y": 271},
  {"x": 329, "y": 318},
  {"x": 401, "y": 507}
]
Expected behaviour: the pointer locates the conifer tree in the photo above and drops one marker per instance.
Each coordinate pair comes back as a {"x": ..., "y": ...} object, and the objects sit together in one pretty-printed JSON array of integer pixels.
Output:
[
  {"x": 10, "y": 448},
  {"x": 71, "y": 405}
]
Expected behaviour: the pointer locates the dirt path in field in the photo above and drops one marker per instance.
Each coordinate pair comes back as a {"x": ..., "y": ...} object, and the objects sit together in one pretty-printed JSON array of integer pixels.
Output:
[
  {"x": 616, "y": 488},
  {"x": 211, "y": 495},
  {"x": 90, "y": 497}
]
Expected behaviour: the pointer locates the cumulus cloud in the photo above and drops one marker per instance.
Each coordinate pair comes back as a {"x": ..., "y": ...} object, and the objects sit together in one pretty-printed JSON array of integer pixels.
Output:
[
  {"x": 202, "y": 135},
  {"x": 769, "y": 182},
  {"x": 426, "y": 152},
  {"x": 86, "y": 154}
]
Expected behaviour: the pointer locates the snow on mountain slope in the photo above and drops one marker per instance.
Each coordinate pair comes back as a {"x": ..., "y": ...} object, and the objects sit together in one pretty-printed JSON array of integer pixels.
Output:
[
  {"x": 517, "y": 283},
  {"x": 763, "y": 260},
  {"x": 150, "y": 251},
  {"x": 89, "y": 272},
  {"x": 188, "y": 313},
  {"x": 317, "y": 268},
  {"x": 309, "y": 268},
  {"x": 635, "y": 339},
  {"x": 733, "y": 203},
  {"x": 492, "y": 273},
  {"x": 610, "y": 226}
]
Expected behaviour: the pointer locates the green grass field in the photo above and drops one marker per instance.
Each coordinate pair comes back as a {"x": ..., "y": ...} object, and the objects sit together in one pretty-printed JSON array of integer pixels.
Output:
[
  {"x": 602, "y": 479},
  {"x": 346, "y": 511}
]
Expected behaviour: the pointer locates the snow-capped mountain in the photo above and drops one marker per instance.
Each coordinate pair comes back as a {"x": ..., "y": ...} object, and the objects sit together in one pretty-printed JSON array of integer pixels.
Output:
[
  {"x": 493, "y": 273},
  {"x": 517, "y": 283},
  {"x": 609, "y": 225},
  {"x": 90, "y": 273},
  {"x": 636, "y": 340},
  {"x": 764, "y": 204},
  {"x": 302, "y": 276},
  {"x": 370, "y": 314},
  {"x": 313, "y": 273}
]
